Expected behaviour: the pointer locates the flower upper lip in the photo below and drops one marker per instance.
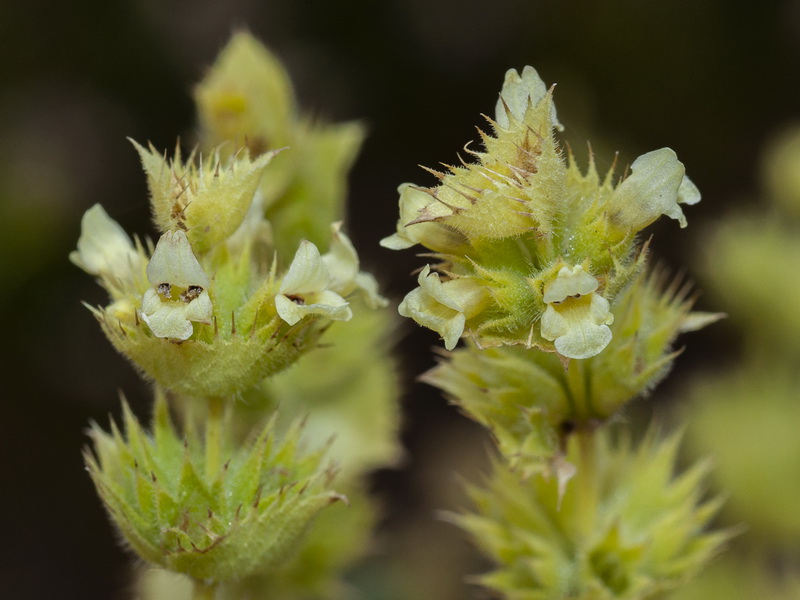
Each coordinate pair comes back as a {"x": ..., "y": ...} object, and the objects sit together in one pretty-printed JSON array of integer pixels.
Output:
[{"x": 178, "y": 294}]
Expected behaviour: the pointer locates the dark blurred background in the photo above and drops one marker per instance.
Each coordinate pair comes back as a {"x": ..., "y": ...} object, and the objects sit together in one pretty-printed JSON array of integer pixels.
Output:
[{"x": 713, "y": 79}]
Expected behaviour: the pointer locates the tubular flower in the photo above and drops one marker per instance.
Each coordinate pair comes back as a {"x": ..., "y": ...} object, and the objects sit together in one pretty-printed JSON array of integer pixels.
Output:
[
  {"x": 576, "y": 318},
  {"x": 657, "y": 186},
  {"x": 229, "y": 327},
  {"x": 105, "y": 250},
  {"x": 435, "y": 236},
  {"x": 306, "y": 289},
  {"x": 207, "y": 197},
  {"x": 179, "y": 292}
]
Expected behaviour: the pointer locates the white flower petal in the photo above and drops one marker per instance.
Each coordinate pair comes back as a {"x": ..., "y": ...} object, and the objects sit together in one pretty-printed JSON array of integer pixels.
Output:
[
  {"x": 200, "y": 309},
  {"x": 410, "y": 232},
  {"x": 576, "y": 318},
  {"x": 174, "y": 262},
  {"x": 307, "y": 273},
  {"x": 328, "y": 304},
  {"x": 443, "y": 307},
  {"x": 369, "y": 290},
  {"x": 426, "y": 311},
  {"x": 569, "y": 282},
  {"x": 104, "y": 247},
  {"x": 288, "y": 310},
  {"x": 519, "y": 92},
  {"x": 432, "y": 285},
  {"x": 655, "y": 187},
  {"x": 341, "y": 262},
  {"x": 688, "y": 192},
  {"x": 165, "y": 319}
]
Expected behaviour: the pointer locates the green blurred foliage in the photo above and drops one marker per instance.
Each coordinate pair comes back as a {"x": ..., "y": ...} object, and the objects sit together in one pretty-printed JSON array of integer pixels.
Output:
[{"x": 746, "y": 413}]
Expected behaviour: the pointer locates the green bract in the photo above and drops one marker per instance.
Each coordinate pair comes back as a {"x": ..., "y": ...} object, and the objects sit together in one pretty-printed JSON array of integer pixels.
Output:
[
  {"x": 531, "y": 250},
  {"x": 207, "y": 198},
  {"x": 214, "y": 515}
]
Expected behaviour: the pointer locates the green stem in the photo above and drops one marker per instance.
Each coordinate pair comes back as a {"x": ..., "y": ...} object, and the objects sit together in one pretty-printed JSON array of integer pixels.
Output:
[
  {"x": 213, "y": 436},
  {"x": 203, "y": 591},
  {"x": 576, "y": 381},
  {"x": 588, "y": 478}
]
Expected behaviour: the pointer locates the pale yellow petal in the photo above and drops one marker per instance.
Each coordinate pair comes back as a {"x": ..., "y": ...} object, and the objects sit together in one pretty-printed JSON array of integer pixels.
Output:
[
  {"x": 104, "y": 247},
  {"x": 174, "y": 262},
  {"x": 655, "y": 187},
  {"x": 307, "y": 273},
  {"x": 569, "y": 282}
]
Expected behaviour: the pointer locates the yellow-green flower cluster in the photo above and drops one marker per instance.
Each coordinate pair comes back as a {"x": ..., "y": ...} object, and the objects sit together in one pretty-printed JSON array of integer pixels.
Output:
[
  {"x": 251, "y": 267},
  {"x": 537, "y": 265},
  {"x": 530, "y": 250},
  {"x": 625, "y": 528},
  {"x": 247, "y": 98},
  {"x": 200, "y": 504},
  {"x": 209, "y": 312}
]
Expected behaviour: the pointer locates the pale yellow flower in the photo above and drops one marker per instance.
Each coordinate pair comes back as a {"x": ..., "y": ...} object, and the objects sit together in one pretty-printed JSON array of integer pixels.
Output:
[
  {"x": 445, "y": 306},
  {"x": 411, "y": 231},
  {"x": 576, "y": 318},
  {"x": 656, "y": 186},
  {"x": 104, "y": 249},
  {"x": 520, "y": 92},
  {"x": 306, "y": 289},
  {"x": 179, "y": 292}
]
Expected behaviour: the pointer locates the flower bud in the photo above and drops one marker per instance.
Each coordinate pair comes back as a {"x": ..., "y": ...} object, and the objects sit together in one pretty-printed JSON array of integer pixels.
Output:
[
  {"x": 105, "y": 250},
  {"x": 444, "y": 306},
  {"x": 207, "y": 197},
  {"x": 656, "y": 186}
]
